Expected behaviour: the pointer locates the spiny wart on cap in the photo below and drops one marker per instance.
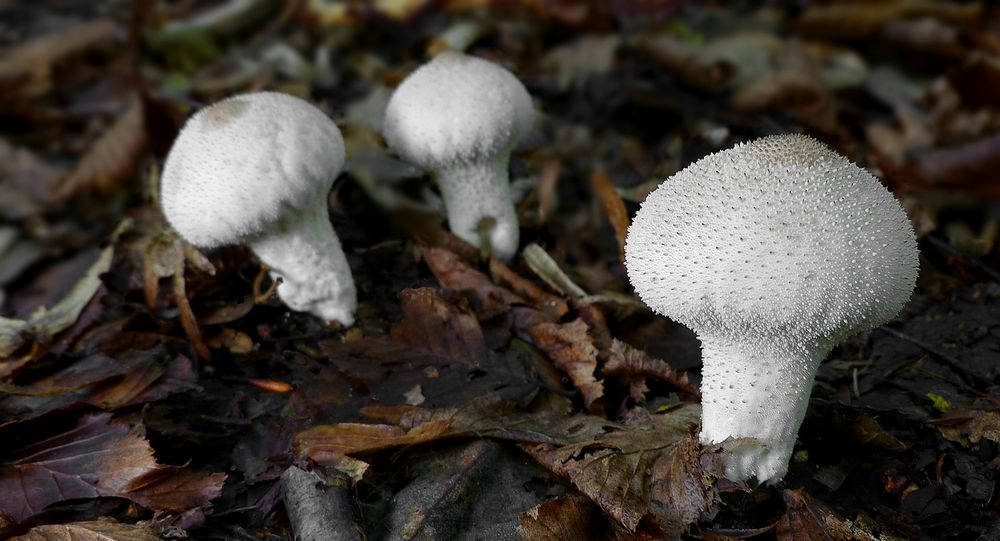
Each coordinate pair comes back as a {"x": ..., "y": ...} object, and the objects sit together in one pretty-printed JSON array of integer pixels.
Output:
[
  {"x": 772, "y": 251},
  {"x": 256, "y": 169},
  {"x": 461, "y": 116}
]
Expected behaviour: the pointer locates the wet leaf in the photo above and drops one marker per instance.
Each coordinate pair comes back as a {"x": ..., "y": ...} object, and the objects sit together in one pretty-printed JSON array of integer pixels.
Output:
[
  {"x": 103, "y": 382},
  {"x": 174, "y": 488},
  {"x": 97, "y": 458},
  {"x": 97, "y": 530},
  {"x": 443, "y": 326}
]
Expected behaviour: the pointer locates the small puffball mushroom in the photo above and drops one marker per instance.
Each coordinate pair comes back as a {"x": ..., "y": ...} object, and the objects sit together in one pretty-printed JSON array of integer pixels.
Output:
[
  {"x": 460, "y": 117},
  {"x": 257, "y": 169},
  {"x": 772, "y": 251}
]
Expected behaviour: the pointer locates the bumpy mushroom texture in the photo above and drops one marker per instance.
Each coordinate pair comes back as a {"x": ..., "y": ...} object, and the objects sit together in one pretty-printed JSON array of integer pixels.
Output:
[
  {"x": 257, "y": 169},
  {"x": 460, "y": 117},
  {"x": 772, "y": 252}
]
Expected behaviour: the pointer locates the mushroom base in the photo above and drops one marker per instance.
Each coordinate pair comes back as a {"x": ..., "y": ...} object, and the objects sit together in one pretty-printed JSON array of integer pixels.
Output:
[
  {"x": 306, "y": 254},
  {"x": 761, "y": 391},
  {"x": 480, "y": 209}
]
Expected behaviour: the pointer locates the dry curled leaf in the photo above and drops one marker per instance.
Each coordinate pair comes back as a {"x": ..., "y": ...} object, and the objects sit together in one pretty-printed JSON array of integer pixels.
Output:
[
  {"x": 650, "y": 469},
  {"x": 565, "y": 517},
  {"x": 104, "y": 529},
  {"x": 806, "y": 519},
  {"x": 635, "y": 366},
  {"x": 453, "y": 273},
  {"x": 572, "y": 351}
]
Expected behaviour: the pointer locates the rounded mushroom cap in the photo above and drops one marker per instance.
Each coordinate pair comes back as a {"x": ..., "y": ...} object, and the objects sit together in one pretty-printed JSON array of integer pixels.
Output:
[
  {"x": 457, "y": 109},
  {"x": 240, "y": 164},
  {"x": 779, "y": 238}
]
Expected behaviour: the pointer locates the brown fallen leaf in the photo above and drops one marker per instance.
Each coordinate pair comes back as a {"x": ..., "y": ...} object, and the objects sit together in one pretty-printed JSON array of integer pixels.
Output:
[
  {"x": 565, "y": 517},
  {"x": 635, "y": 365},
  {"x": 27, "y": 183},
  {"x": 27, "y": 69},
  {"x": 112, "y": 158},
  {"x": 961, "y": 167},
  {"x": 96, "y": 458},
  {"x": 614, "y": 207},
  {"x": 175, "y": 488},
  {"x": 971, "y": 424},
  {"x": 442, "y": 325},
  {"x": 103, "y": 529},
  {"x": 453, "y": 273},
  {"x": 572, "y": 351},
  {"x": 806, "y": 519},
  {"x": 649, "y": 469},
  {"x": 688, "y": 62},
  {"x": 485, "y": 418},
  {"x": 543, "y": 300},
  {"x": 858, "y": 21},
  {"x": 103, "y": 382}
]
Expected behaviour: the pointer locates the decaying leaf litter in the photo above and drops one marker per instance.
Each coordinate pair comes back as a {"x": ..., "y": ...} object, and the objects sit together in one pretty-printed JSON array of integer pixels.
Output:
[{"x": 162, "y": 392}]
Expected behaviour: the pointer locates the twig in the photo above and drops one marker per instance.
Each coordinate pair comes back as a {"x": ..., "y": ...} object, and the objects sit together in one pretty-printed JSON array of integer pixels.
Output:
[
  {"x": 973, "y": 260},
  {"x": 317, "y": 510},
  {"x": 970, "y": 378}
]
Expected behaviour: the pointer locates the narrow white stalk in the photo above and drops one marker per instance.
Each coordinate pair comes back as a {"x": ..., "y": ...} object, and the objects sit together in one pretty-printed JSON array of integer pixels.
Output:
[
  {"x": 756, "y": 389},
  {"x": 306, "y": 253},
  {"x": 476, "y": 191}
]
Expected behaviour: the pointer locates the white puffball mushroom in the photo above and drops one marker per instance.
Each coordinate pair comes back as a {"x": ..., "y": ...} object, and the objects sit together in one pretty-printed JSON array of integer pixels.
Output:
[
  {"x": 257, "y": 169},
  {"x": 460, "y": 117},
  {"x": 773, "y": 252}
]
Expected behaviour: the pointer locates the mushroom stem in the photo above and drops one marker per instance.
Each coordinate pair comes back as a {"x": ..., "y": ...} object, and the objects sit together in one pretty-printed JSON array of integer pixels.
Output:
[
  {"x": 757, "y": 389},
  {"x": 306, "y": 253},
  {"x": 476, "y": 191}
]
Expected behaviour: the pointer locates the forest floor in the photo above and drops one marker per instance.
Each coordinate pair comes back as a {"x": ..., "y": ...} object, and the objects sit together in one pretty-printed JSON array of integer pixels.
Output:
[{"x": 472, "y": 399}]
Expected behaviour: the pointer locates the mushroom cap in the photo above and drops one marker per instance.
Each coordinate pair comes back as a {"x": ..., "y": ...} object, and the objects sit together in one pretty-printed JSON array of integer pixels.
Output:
[
  {"x": 778, "y": 239},
  {"x": 241, "y": 164},
  {"x": 457, "y": 109}
]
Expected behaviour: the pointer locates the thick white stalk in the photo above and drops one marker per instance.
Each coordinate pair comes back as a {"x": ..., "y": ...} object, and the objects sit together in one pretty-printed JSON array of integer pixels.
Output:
[
  {"x": 756, "y": 389},
  {"x": 305, "y": 252},
  {"x": 476, "y": 191}
]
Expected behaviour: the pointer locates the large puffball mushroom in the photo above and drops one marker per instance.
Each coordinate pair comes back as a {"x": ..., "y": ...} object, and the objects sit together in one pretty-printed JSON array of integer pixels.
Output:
[
  {"x": 460, "y": 117},
  {"x": 257, "y": 169},
  {"x": 772, "y": 251}
]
